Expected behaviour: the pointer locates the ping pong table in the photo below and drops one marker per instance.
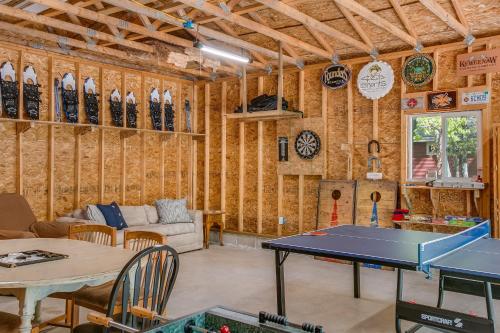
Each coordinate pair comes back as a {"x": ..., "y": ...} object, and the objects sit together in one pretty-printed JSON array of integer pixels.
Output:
[{"x": 468, "y": 262}]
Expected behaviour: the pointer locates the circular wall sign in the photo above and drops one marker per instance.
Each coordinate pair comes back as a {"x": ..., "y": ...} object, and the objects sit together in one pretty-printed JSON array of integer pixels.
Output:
[
  {"x": 336, "y": 76},
  {"x": 418, "y": 70},
  {"x": 307, "y": 145},
  {"x": 375, "y": 79}
]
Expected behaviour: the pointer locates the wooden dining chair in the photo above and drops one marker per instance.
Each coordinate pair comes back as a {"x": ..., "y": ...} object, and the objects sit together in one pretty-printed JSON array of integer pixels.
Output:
[
  {"x": 139, "y": 240},
  {"x": 146, "y": 281},
  {"x": 93, "y": 233},
  {"x": 96, "y": 298},
  {"x": 10, "y": 323}
]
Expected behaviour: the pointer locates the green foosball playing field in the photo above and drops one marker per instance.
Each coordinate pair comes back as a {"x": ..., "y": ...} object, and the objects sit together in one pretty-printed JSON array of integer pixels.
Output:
[{"x": 222, "y": 320}]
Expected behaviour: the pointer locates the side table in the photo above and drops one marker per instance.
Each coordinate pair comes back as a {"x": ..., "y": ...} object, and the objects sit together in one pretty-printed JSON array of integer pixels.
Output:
[{"x": 208, "y": 222}]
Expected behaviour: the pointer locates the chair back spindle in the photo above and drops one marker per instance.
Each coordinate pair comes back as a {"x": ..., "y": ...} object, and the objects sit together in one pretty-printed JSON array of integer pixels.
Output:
[{"x": 93, "y": 233}]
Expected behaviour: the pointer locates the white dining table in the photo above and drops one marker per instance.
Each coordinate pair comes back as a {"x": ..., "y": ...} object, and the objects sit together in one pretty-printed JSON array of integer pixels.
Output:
[{"x": 87, "y": 264}]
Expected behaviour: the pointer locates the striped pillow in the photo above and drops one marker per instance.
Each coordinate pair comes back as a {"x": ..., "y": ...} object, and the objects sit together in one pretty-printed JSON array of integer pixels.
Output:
[{"x": 172, "y": 211}]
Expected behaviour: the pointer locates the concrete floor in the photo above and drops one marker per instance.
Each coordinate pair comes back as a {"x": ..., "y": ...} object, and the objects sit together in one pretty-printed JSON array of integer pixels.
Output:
[{"x": 318, "y": 292}]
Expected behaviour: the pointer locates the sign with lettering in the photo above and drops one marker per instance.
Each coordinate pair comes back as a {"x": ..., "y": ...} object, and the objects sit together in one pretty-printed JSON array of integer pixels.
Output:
[
  {"x": 478, "y": 62},
  {"x": 375, "y": 79},
  {"x": 442, "y": 101},
  {"x": 475, "y": 97},
  {"x": 413, "y": 103},
  {"x": 336, "y": 76}
]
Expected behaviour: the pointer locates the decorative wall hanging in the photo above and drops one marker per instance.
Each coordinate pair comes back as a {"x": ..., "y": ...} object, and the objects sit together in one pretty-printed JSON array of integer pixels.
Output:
[
  {"x": 307, "y": 144},
  {"x": 418, "y": 70},
  {"x": 169, "y": 111},
  {"x": 282, "y": 149},
  {"x": 413, "y": 103},
  {"x": 480, "y": 62},
  {"x": 116, "y": 108},
  {"x": 69, "y": 98},
  {"x": 442, "y": 101},
  {"x": 475, "y": 97},
  {"x": 131, "y": 107},
  {"x": 336, "y": 76},
  {"x": 368, "y": 192},
  {"x": 155, "y": 109},
  {"x": 335, "y": 203},
  {"x": 90, "y": 101},
  {"x": 9, "y": 90},
  {"x": 264, "y": 103},
  {"x": 31, "y": 93},
  {"x": 375, "y": 79},
  {"x": 187, "y": 109}
]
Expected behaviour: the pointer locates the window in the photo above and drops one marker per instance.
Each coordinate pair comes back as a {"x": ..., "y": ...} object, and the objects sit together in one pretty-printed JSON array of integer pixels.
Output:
[{"x": 444, "y": 145}]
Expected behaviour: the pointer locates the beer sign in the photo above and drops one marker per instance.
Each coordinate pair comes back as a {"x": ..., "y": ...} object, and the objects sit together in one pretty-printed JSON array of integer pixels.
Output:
[
  {"x": 375, "y": 80},
  {"x": 336, "y": 76},
  {"x": 478, "y": 62}
]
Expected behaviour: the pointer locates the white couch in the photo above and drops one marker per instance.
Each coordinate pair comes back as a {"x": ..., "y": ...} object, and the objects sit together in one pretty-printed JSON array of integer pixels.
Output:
[{"x": 181, "y": 236}]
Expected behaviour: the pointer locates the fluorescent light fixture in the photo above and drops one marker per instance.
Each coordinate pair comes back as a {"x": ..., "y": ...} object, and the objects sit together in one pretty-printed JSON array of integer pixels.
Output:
[{"x": 221, "y": 53}]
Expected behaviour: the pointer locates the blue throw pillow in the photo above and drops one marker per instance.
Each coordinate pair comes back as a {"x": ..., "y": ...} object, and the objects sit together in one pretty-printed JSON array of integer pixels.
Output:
[{"x": 113, "y": 215}]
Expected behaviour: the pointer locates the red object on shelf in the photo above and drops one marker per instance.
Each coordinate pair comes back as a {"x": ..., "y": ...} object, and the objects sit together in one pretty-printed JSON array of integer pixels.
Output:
[{"x": 224, "y": 329}]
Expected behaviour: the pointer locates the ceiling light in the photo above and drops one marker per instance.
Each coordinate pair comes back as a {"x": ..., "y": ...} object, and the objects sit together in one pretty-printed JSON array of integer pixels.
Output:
[{"x": 221, "y": 53}]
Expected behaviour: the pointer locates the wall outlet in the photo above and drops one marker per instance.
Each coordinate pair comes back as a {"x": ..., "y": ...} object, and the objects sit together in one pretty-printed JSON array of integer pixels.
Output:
[{"x": 281, "y": 220}]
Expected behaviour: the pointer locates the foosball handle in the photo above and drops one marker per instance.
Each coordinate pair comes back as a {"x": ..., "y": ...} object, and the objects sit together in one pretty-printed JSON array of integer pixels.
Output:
[
  {"x": 143, "y": 313},
  {"x": 98, "y": 319},
  {"x": 306, "y": 327},
  {"x": 273, "y": 318}
]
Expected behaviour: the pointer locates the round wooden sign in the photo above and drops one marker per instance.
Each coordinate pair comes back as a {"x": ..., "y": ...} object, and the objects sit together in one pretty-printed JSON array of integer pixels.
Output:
[
  {"x": 418, "y": 70},
  {"x": 336, "y": 76},
  {"x": 375, "y": 79}
]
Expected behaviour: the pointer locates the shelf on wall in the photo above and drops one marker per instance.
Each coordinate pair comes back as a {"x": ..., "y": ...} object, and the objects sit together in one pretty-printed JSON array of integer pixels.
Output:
[
  {"x": 25, "y": 124},
  {"x": 264, "y": 115}
]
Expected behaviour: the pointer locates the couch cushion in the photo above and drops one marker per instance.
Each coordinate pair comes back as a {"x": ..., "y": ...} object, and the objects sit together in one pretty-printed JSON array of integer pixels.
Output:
[
  {"x": 50, "y": 229},
  {"x": 152, "y": 213},
  {"x": 134, "y": 215},
  {"x": 170, "y": 229},
  {"x": 113, "y": 215},
  {"x": 173, "y": 211},
  {"x": 94, "y": 214}
]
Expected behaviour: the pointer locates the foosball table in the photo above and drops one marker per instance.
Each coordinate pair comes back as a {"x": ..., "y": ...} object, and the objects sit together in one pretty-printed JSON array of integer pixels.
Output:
[{"x": 214, "y": 320}]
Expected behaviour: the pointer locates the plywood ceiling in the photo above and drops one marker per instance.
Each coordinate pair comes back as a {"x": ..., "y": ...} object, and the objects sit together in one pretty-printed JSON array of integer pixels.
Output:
[{"x": 311, "y": 31}]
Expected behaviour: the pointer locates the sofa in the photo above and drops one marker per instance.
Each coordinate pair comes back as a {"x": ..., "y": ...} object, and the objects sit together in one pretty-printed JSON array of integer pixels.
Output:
[
  {"x": 183, "y": 237},
  {"x": 17, "y": 220}
]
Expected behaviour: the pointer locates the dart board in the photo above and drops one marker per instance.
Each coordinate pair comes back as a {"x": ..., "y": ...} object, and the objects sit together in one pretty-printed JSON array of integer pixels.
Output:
[{"x": 307, "y": 144}]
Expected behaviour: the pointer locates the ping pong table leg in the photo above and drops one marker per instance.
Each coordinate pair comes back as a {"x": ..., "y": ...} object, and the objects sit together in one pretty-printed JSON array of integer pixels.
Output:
[
  {"x": 399, "y": 297},
  {"x": 441, "y": 291},
  {"x": 357, "y": 284},
  {"x": 280, "y": 282},
  {"x": 489, "y": 301}
]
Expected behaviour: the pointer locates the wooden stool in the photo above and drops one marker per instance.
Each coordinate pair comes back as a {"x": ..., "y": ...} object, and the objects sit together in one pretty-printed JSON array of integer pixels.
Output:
[{"x": 207, "y": 225}]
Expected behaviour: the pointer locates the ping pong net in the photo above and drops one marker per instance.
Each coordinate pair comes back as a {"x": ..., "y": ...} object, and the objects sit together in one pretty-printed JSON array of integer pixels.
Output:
[{"x": 438, "y": 248}]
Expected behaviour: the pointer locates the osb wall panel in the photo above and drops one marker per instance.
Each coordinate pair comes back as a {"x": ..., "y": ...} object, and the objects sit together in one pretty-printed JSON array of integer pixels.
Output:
[
  {"x": 270, "y": 191},
  {"x": 64, "y": 172},
  {"x": 89, "y": 71},
  {"x": 215, "y": 145},
  {"x": 170, "y": 144},
  {"x": 35, "y": 163},
  {"x": 201, "y": 146},
  {"x": 40, "y": 64},
  {"x": 311, "y": 185},
  {"x": 186, "y": 94},
  {"x": 312, "y": 87},
  {"x": 232, "y": 157},
  {"x": 291, "y": 205},
  {"x": 133, "y": 84},
  {"x": 8, "y": 158},
  {"x": 133, "y": 165},
  {"x": 152, "y": 147},
  {"x": 112, "y": 167},
  {"x": 89, "y": 156},
  {"x": 149, "y": 84},
  {"x": 112, "y": 80},
  {"x": 337, "y": 131},
  {"x": 290, "y": 90},
  {"x": 447, "y": 76}
]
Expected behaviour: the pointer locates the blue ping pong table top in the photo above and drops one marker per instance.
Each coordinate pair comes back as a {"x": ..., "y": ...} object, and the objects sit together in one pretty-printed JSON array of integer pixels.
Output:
[{"x": 391, "y": 247}]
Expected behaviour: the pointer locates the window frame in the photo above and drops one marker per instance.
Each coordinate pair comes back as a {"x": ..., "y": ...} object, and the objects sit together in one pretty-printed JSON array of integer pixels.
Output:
[{"x": 444, "y": 115}]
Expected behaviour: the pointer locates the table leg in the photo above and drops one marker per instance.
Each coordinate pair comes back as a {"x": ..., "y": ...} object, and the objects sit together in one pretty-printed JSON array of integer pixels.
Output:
[
  {"x": 38, "y": 309},
  {"x": 489, "y": 300},
  {"x": 221, "y": 234},
  {"x": 27, "y": 305},
  {"x": 280, "y": 282},
  {"x": 357, "y": 283},
  {"x": 399, "y": 297}
]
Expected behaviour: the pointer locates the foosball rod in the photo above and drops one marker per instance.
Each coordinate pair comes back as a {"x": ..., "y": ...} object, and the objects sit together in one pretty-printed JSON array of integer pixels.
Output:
[
  {"x": 109, "y": 322},
  {"x": 190, "y": 326}
]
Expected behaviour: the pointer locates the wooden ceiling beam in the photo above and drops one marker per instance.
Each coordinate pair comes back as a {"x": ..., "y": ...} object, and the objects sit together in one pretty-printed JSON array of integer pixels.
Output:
[
  {"x": 446, "y": 17},
  {"x": 320, "y": 39},
  {"x": 457, "y": 5},
  {"x": 55, "y": 23},
  {"x": 313, "y": 23},
  {"x": 249, "y": 24},
  {"x": 113, "y": 21},
  {"x": 257, "y": 18},
  {"x": 378, "y": 21},
  {"x": 403, "y": 17},
  {"x": 356, "y": 26},
  {"x": 153, "y": 13}
]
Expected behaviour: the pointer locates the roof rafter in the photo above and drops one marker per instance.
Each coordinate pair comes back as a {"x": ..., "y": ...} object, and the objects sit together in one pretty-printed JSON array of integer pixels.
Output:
[
  {"x": 249, "y": 24},
  {"x": 457, "y": 5},
  {"x": 355, "y": 25},
  {"x": 153, "y": 13},
  {"x": 378, "y": 21},
  {"x": 320, "y": 39},
  {"x": 55, "y": 23},
  {"x": 403, "y": 17},
  {"x": 446, "y": 17},
  {"x": 313, "y": 23}
]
